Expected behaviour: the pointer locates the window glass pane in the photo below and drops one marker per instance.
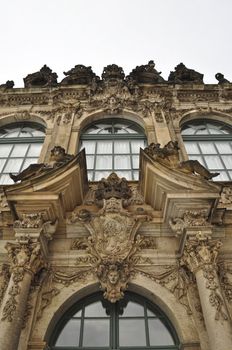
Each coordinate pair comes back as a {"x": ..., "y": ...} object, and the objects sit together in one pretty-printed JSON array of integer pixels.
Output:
[
  {"x": 135, "y": 162},
  {"x": 96, "y": 333},
  {"x": 70, "y": 334},
  {"x": 98, "y": 175},
  {"x": 95, "y": 310},
  {"x": 132, "y": 332},
  {"x": 135, "y": 175},
  {"x": 34, "y": 150},
  {"x": 5, "y": 179},
  {"x": 13, "y": 165},
  {"x": 150, "y": 313},
  {"x": 90, "y": 162},
  {"x": 19, "y": 150},
  {"x": 207, "y": 147},
  {"x": 122, "y": 162},
  {"x": 90, "y": 176},
  {"x": 227, "y": 161},
  {"x": 133, "y": 309},
  {"x": 5, "y": 150},
  {"x": 89, "y": 146},
  {"x": 223, "y": 176},
  {"x": 158, "y": 333},
  {"x": 224, "y": 147},
  {"x": 191, "y": 148},
  {"x": 2, "y": 162},
  {"x": 104, "y": 162},
  {"x": 104, "y": 147},
  {"x": 137, "y": 144},
  {"x": 213, "y": 162},
  {"x": 126, "y": 174},
  {"x": 78, "y": 313},
  {"x": 121, "y": 147}
]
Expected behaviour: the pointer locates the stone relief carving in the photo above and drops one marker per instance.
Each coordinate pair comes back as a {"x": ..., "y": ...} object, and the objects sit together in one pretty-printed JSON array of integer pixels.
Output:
[
  {"x": 113, "y": 241},
  {"x": 169, "y": 156},
  {"x": 225, "y": 276},
  {"x": 79, "y": 244},
  {"x": 182, "y": 74},
  {"x": 68, "y": 110},
  {"x": 189, "y": 219},
  {"x": 226, "y": 197},
  {"x": 174, "y": 278},
  {"x": 47, "y": 293},
  {"x": 43, "y": 78},
  {"x": 201, "y": 252},
  {"x": 58, "y": 158}
]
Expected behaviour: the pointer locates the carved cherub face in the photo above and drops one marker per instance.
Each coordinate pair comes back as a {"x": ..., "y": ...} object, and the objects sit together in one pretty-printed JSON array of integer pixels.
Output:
[{"x": 113, "y": 276}]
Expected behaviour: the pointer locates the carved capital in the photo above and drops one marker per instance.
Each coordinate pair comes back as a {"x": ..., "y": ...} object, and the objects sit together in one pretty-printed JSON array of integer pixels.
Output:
[
  {"x": 200, "y": 251},
  {"x": 26, "y": 255}
]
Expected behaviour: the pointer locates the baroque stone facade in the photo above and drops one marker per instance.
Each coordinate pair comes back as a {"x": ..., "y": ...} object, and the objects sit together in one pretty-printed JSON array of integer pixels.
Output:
[{"x": 166, "y": 236}]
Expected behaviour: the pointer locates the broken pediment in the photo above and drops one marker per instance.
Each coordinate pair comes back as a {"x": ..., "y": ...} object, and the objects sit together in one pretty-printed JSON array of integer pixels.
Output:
[
  {"x": 52, "y": 189},
  {"x": 171, "y": 188}
]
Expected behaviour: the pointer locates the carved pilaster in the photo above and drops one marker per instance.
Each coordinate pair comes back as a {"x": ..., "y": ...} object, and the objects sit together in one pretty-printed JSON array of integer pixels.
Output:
[
  {"x": 27, "y": 256},
  {"x": 200, "y": 257}
]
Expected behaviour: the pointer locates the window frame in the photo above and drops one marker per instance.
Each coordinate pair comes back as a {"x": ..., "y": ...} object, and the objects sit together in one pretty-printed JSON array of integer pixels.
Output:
[
  {"x": 20, "y": 140},
  {"x": 196, "y": 138},
  {"x": 113, "y": 137},
  {"x": 114, "y": 318}
]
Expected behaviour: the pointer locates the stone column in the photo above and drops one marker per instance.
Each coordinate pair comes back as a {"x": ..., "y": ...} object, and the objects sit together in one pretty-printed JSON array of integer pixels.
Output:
[
  {"x": 27, "y": 255},
  {"x": 200, "y": 256},
  {"x": 26, "y": 260}
]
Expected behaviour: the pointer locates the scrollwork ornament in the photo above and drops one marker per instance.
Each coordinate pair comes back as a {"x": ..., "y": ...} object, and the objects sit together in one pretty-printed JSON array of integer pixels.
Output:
[{"x": 215, "y": 298}]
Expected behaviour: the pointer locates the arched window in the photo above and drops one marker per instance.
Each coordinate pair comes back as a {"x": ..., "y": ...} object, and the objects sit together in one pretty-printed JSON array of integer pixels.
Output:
[
  {"x": 113, "y": 145},
  {"x": 132, "y": 322},
  {"x": 20, "y": 145},
  {"x": 210, "y": 143}
]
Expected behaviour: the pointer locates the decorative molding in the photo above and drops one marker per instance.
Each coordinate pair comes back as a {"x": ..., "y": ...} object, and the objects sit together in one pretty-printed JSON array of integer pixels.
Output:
[{"x": 175, "y": 278}]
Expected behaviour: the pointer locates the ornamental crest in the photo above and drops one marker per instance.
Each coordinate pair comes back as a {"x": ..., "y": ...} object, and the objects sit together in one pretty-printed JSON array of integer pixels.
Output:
[{"x": 113, "y": 241}]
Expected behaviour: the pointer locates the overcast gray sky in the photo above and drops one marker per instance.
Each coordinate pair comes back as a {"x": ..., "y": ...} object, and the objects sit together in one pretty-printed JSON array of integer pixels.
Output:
[{"x": 63, "y": 33}]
